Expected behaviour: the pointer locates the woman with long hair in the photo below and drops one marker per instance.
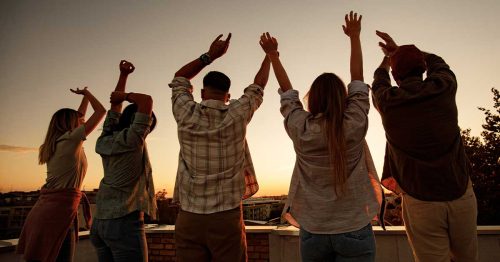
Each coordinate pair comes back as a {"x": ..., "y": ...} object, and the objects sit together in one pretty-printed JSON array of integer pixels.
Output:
[
  {"x": 126, "y": 192},
  {"x": 334, "y": 193},
  {"x": 51, "y": 227}
]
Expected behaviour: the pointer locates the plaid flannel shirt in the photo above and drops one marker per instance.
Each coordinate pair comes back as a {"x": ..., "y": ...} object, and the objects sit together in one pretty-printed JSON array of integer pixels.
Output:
[{"x": 215, "y": 169}]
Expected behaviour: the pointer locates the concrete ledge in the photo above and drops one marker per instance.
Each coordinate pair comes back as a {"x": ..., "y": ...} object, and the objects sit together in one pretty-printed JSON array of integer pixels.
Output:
[
  {"x": 154, "y": 228},
  {"x": 282, "y": 244}
]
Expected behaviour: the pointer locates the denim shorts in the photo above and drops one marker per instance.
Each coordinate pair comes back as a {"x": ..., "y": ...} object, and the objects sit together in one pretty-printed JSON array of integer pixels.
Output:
[{"x": 357, "y": 246}]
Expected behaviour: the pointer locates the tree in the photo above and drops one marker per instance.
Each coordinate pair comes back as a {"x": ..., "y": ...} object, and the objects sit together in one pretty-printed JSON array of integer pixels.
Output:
[
  {"x": 484, "y": 154},
  {"x": 161, "y": 195}
]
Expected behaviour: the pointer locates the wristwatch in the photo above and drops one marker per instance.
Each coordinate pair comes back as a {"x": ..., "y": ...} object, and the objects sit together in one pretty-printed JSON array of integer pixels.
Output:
[{"x": 205, "y": 59}]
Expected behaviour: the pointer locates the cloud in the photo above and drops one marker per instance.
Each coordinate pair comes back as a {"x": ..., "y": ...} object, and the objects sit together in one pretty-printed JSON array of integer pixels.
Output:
[{"x": 17, "y": 149}]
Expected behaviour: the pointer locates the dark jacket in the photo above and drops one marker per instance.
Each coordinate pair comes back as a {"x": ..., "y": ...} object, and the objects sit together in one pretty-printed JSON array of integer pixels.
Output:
[{"x": 424, "y": 151}]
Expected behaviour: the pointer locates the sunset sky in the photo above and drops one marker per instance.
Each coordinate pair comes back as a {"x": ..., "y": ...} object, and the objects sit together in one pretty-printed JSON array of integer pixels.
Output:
[{"x": 48, "y": 47}]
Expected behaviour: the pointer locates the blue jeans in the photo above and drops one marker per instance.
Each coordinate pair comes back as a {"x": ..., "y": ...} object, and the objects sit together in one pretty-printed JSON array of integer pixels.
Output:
[
  {"x": 120, "y": 239},
  {"x": 353, "y": 246}
]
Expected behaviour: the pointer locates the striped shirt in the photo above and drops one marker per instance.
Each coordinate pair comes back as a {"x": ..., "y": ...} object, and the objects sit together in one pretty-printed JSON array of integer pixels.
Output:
[
  {"x": 127, "y": 185},
  {"x": 215, "y": 170}
]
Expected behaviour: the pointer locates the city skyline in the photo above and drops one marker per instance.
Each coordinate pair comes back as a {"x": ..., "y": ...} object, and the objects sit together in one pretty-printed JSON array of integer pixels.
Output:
[{"x": 49, "y": 47}]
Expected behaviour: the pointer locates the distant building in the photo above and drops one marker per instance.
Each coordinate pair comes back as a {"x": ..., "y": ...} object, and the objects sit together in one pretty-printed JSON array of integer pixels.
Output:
[
  {"x": 262, "y": 209},
  {"x": 12, "y": 220},
  {"x": 15, "y": 206}
]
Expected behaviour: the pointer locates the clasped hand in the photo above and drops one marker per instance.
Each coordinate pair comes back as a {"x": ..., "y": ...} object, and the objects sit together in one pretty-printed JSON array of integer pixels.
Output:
[
  {"x": 126, "y": 67},
  {"x": 268, "y": 43}
]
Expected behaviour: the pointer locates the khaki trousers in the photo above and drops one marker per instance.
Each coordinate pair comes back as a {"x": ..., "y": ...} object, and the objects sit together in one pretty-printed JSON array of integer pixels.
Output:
[
  {"x": 440, "y": 231},
  {"x": 211, "y": 237}
]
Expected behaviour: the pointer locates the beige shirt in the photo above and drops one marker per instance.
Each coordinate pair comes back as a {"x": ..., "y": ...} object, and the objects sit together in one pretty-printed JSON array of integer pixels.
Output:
[
  {"x": 312, "y": 197},
  {"x": 215, "y": 168},
  {"x": 67, "y": 167}
]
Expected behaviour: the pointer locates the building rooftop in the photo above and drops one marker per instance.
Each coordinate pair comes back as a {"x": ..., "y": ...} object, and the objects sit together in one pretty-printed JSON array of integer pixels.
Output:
[{"x": 273, "y": 243}]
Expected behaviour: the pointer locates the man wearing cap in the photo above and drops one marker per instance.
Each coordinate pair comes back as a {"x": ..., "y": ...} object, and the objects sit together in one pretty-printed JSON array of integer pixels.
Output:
[{"x": 425, "y": 158}]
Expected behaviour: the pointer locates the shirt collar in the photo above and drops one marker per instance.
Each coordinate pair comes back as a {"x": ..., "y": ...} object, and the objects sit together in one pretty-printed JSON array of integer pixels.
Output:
[
  {"x": 215, "y": 104},
  {"x": 411, "y": 82}
]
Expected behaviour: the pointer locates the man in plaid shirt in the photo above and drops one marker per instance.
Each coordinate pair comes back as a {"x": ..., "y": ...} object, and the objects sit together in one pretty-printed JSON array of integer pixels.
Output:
[{"x": 215, "y": 169}]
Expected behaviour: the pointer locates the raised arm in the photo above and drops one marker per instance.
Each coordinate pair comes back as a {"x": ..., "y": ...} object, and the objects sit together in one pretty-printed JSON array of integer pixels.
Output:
[
  {"x": 99, "y": 110},
  {"x": 270, "y": 46},
  {"x": 389, "y": 47},
  {"x": 381, "y": 80},
  {"x": 352, "y": 28},
  {"x": 82, "y": 109},
  {"x": 126, "y": 68},
  {"x": 263, "y": 75},
  {"x": 437, "y": 67},
  {"x": 144, "y": 102},
  {"x": 385, "y": 64},
  {"x": 217, "y": 49}
]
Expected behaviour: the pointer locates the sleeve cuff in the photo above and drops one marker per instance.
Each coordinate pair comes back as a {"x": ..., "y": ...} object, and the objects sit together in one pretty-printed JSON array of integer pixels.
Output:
[
  {"x": 256, "y": 87},
  {"x": 290, "y": 93},
  {"x": 180, "y": 82},
  {"x": 143, "y": 119},
  {"x": 113, "y": 115},
  {"x": 357, "y": 86},
  {"x": 382, "y": 71}
]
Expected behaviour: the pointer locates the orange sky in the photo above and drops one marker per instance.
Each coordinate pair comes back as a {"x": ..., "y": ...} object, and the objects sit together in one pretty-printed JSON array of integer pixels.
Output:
[{"x": 48, "y": 47}]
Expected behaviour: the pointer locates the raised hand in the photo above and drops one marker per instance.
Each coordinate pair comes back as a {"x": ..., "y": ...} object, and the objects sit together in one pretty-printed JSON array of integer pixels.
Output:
[
  {"x": 219, "y": 47},
  {"x": 117, "y": 97},
  {"x": 126, "y": 67},
  {"x": 352, "y": 25},
  {"x": 389, "y": 47},
  {"x": 79, "y": 91},
  {"x": 268, "y": 43}
]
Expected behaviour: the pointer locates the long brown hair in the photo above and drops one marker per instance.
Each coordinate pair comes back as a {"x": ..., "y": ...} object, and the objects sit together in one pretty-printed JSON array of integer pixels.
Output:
[
  {"x": 62, "y": 121},
  {"x": 327, "y": 96}
]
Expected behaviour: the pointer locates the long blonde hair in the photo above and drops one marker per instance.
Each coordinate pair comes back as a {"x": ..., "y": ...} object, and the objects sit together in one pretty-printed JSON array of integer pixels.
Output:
[
  {"x": 62, "y": 121},
  {"x": 328, "y": 96}
]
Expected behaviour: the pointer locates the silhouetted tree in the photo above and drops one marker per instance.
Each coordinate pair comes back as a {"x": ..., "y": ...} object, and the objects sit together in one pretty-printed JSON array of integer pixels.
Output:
[
  {"x": 484, "y": 154},
  {"x": 161, "y": 195}
]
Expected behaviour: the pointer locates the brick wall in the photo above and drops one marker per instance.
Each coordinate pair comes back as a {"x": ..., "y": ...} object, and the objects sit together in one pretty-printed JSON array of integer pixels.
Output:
[
  {"x": 161, "y": 247},
  {"x": 258, "y": 247}
]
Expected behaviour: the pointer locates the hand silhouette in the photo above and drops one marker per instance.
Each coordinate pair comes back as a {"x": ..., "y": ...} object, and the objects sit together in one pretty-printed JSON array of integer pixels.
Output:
[
  {"x": 126, "y": 67},
  {"x": 352, "y": 25},
  {"x": 219, "y": 47},
  {"x": 268, "y": 43},
  {"x": 79, "y": 91},
  {"x": 389, "y": 47}
]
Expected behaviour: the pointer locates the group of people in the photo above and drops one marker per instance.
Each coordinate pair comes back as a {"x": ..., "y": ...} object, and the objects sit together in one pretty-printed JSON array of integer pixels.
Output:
[{"x": 334, "y": 193}]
